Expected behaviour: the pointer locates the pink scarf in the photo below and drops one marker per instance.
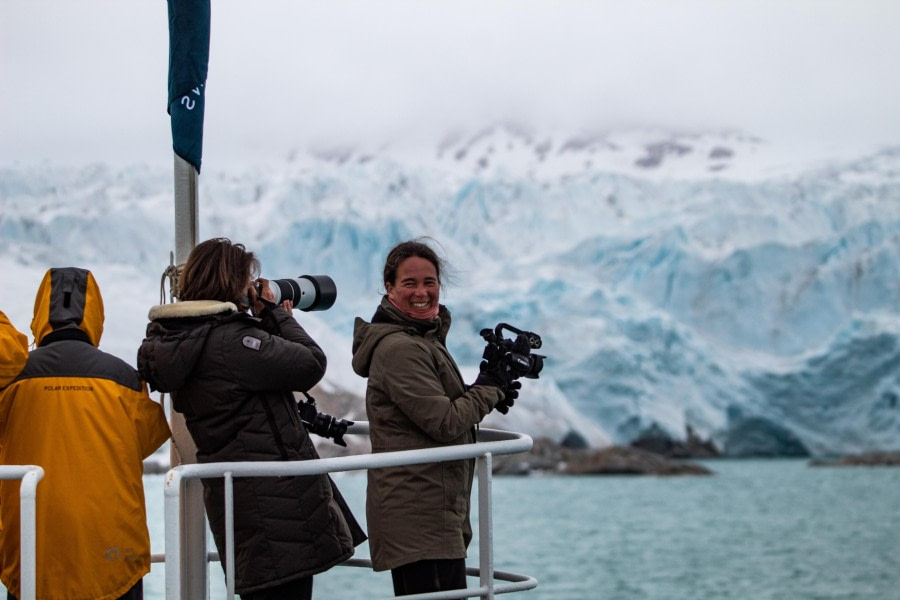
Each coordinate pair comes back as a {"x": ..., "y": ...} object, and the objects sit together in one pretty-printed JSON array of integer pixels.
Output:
[{"x": 425, "y": 314}]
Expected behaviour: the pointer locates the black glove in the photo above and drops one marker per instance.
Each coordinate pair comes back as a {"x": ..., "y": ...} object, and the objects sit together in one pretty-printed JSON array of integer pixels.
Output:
[
  {"x": 509, "y": 397},
  {"x": 497, "y": 376},
  {"x": 503, "y": 378}
]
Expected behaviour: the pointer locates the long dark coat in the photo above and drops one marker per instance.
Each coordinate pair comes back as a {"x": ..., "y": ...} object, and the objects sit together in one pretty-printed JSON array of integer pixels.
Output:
[{"x": 233, "y": 376}]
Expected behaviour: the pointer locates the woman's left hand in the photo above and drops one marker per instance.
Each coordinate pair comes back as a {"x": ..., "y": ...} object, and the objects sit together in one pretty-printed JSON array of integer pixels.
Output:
[{"x": 260, "y": 289}]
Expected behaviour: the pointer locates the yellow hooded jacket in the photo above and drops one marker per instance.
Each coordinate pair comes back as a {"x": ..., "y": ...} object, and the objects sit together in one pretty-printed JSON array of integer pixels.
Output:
[
  {"x": 13, "y": 351},
  {"x": 86, "y": 417}
]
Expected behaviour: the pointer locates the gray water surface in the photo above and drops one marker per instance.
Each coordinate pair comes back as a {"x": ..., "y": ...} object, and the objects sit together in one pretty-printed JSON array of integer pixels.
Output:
[{"x": 757, "y": 529}]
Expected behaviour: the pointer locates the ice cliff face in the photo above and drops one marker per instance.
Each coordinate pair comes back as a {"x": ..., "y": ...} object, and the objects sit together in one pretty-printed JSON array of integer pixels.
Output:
[{"x": 677, "y": 281}]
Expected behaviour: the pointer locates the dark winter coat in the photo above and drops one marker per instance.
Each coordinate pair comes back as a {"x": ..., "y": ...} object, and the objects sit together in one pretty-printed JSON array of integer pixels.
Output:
[
  {"x": 416, "y": 398},
  {"x": 232, "y": 376}
]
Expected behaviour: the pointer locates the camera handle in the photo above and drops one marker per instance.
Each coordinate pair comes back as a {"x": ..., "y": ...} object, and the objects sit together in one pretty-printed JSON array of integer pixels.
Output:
[{"x": 534, "y": 340}]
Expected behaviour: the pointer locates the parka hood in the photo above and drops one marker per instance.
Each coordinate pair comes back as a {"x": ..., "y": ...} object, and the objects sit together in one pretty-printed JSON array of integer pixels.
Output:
[
  {"x": 386, "y": 321},
  {"x": 68, "y": 301},
  {"x": 366, "y": 337},
  {"x": 175, "y": 338}
]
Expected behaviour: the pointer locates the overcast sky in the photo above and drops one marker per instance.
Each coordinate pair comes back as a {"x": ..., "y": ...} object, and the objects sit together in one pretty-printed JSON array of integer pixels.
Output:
[{"x": 85, "y": 81}]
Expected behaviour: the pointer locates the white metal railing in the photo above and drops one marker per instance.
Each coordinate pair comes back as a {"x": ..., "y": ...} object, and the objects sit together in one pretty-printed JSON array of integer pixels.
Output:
[
  {"x": 29, "y": 475},
  {"x": 490, "y": 442}
]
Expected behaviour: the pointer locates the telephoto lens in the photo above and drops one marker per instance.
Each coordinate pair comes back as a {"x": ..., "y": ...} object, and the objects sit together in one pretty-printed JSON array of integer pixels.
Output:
[{"x": 307, "y": 292}]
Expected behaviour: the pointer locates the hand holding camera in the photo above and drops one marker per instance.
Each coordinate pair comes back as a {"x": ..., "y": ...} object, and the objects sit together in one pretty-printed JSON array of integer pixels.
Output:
[
  {"x": 506, "y": 360},
  {"x": 498, "y": 376},
  {"x": 306, "y": 293},
  {"x": 509, "y": 397},
  {"x": 261, "y": 293}
]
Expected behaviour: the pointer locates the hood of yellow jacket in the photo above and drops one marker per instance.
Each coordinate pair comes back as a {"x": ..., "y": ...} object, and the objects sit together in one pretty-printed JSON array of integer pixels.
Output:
[{"x": 69, "y": 298}]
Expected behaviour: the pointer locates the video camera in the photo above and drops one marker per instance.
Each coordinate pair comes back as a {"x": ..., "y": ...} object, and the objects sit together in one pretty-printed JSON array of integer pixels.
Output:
[
  {"x": 515, "y": 354},
  {"x": 320, "y": 423}
]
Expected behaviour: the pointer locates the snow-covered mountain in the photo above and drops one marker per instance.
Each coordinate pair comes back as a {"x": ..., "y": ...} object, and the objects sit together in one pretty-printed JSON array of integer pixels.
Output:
[{"x": 709, "y": 281}]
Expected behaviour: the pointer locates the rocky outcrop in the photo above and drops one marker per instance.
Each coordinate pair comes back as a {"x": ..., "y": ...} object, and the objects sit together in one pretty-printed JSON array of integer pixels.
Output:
[
  {"x": 656, "y": 440},
  {"x": 868, "y": 459},
  {"x": 548, "y": 457},
  {"x": 571, "y": 456}
]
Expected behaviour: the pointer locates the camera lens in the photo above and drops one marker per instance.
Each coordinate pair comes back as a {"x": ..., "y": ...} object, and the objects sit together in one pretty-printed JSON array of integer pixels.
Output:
[{"x": 307, "y": 292}]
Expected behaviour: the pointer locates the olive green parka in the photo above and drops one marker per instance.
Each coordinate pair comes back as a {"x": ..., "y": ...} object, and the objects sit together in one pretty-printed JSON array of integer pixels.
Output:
[{"x": 416, "y": 398}]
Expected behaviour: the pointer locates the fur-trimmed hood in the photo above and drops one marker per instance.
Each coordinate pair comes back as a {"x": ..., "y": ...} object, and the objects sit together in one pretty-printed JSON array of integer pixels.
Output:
[
  {"x": 175, "y": 339},
  {"x": 191, "y": 308}
]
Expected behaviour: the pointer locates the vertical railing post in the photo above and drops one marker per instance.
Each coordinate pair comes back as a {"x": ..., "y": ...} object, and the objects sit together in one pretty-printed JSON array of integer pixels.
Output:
[
  {"x": 28, "y": 532},
  {"x": 485, "y": 525},
  {"x": 229, "y": 536},
  {"x": 173, "y": 512}
]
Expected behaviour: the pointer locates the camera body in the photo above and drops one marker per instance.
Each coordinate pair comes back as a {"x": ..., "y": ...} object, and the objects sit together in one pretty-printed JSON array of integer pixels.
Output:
[
  {"x": 307, "y": 292},
  {"x": 320, "y": 423},
  {"x": 515, "y": 354}
]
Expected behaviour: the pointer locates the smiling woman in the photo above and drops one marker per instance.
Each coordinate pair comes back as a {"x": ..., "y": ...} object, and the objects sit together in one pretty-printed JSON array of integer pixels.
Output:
[
  {"x": 418, "y": 288},
  {"x": 418, "y": 515}
]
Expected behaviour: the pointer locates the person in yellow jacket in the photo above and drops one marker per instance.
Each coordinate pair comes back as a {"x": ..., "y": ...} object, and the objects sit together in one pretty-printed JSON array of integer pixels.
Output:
[
  {"x": 13, "y": 350},
  {"x": 86, "y": 417},
  {"x": 13, "y": 354}
]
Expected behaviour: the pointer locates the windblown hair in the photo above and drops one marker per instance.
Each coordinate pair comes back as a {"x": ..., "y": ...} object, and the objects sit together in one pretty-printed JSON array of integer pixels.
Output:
[
  {"x": 408, "y": 249},
  {"x": 217, "y": 269}
]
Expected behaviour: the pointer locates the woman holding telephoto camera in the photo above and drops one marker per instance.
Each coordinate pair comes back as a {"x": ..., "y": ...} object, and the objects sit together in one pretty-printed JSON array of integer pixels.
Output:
[
  {"x": 418, "y": 515},
  {"x": 232, "y": 375}
]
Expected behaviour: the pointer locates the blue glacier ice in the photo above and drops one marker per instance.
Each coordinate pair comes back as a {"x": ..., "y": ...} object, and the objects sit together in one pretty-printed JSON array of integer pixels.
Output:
[{"x": 720, "y": 288}]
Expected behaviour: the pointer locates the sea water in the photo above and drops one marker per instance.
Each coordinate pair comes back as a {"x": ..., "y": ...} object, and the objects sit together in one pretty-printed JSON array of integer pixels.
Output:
[{"x": 774, "y": 529}]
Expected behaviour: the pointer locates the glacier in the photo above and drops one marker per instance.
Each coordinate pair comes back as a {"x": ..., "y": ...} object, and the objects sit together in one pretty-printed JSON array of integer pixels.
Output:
[{"x": 706, "y": 282}]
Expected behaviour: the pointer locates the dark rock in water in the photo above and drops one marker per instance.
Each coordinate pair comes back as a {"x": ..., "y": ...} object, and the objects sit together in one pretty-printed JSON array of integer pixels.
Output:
[
  {"x": 658, "y": 441},
  {"x": 868, "y": 459},
  {"x": 549, "y": 457},
  {"x": 573, "y": 439},
  {"x": 620, "y": 460},
  {"x": 757, "y": 437},
  {"x": 545, "y": 457}
]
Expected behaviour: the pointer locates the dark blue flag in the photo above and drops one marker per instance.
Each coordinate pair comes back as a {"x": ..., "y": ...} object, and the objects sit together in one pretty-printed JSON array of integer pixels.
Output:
[{"x": 188, "y": 64}]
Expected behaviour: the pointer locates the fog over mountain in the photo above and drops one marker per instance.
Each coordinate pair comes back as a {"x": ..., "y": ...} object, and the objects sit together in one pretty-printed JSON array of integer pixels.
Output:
[{"x": 709, "y": 282}]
